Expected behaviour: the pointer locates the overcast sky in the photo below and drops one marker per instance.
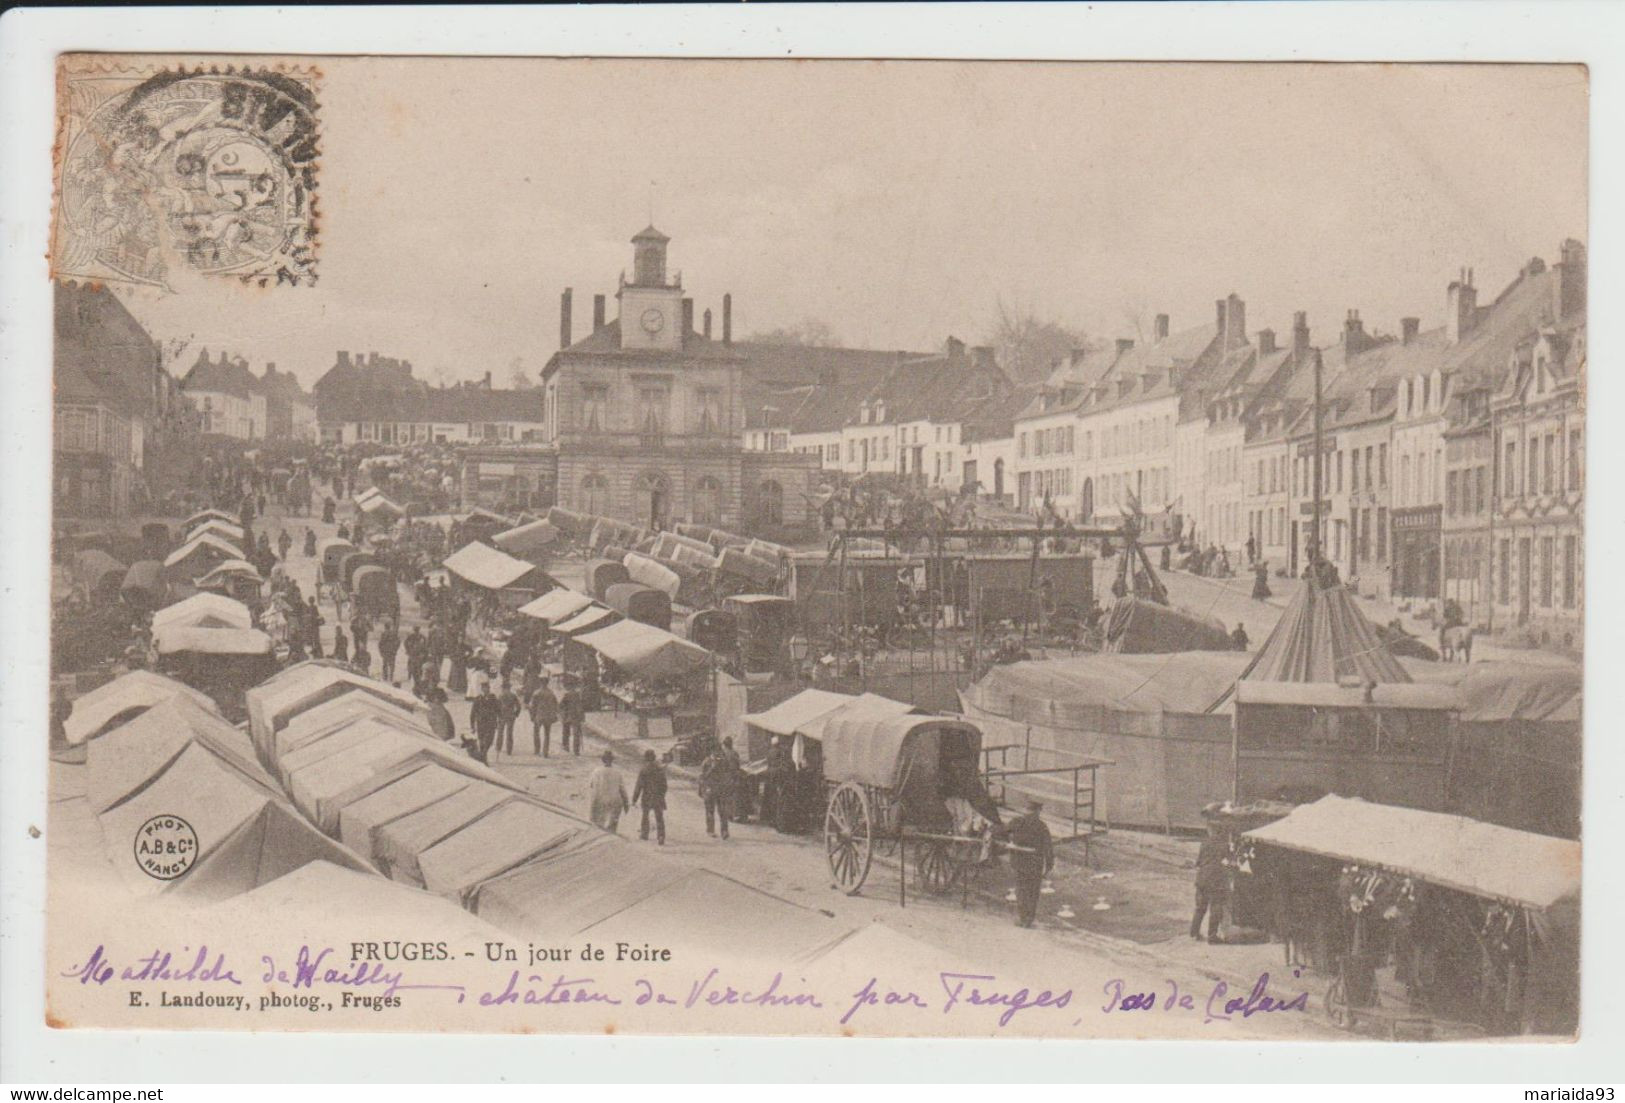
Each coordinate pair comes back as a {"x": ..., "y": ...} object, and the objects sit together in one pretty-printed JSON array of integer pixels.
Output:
[{"x": 899, "y": 201}]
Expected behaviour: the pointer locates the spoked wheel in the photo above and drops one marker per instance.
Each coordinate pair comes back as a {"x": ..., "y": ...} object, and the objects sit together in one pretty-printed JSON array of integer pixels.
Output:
[
  {"x": 849, "y": 829},
  {"x": 936, "y": 871}
]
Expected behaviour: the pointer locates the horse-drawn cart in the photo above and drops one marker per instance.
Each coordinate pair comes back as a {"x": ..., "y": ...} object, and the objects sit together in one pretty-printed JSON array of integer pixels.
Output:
[{"x": 899, "y": 782}]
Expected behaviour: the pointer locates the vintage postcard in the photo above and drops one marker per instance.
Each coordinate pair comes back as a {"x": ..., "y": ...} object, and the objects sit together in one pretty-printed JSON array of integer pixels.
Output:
[{"x": 871, "y": 548}]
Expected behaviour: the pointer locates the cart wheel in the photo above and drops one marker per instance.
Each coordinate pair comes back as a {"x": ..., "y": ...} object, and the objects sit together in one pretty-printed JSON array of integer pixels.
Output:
[
  {"x": 849, "y": 837},
  {"x": 936, "y": 871},
  {"x": 1337, "y": 1006}
]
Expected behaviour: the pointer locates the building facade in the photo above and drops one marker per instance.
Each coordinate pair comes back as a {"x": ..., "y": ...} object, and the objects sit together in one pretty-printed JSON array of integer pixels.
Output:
[
  {"x": 645, "y": 415},
  {"x": 229, "y": 399}
]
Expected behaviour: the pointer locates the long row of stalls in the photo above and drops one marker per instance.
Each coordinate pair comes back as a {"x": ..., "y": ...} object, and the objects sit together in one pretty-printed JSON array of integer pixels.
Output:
[
  {"x": 357, "y": 761},
  {"x": 1423, "y": 917},
  {"x": 210, "y": 642},
  {"x": 172, "y": 756}
]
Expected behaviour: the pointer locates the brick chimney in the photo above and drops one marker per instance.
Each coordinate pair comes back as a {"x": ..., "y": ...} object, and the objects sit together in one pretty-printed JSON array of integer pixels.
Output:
[
  {"x": 707, "y": 323},
  {"x": 344, "y": 358},
  {"x": 956, "y": 348},
  {"x": 1300, "y": 333},
  {"x": 1266, "y": 342},
  {"x": 486, "y": 382},
  {"x": 1355, "y": 338},
  {"x": 688, "y": 317},
  {"x": 597, "y": 313},
  {"x": 728, "y": 318},
  {"x": 1159, "y": 328},
  {"x": 1235, "y": 321},
  {"x": 1569, "y": 286},
  {"x": 982, "y": 357},
  {"x": 1218, "y": 316},
  {"x": 1124, "y": 344},
  {"x": 1461, "y": 307},
  {"x": 564, "y": 318},
  {"x": 1408, "y": 329}
]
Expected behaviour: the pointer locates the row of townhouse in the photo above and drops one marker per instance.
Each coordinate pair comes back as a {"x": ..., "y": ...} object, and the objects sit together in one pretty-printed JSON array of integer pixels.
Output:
[
  {"x": 940, "y": 420},
  {"x": 119, "y": 417},
  {"x": 377, "y": 400},
  {"x": 1452, "y": 463},
  {"x": 232, "y": 401}
]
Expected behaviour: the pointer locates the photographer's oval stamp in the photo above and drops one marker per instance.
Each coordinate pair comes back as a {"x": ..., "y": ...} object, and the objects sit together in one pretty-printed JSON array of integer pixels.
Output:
[{"x": 165, "y": 847}]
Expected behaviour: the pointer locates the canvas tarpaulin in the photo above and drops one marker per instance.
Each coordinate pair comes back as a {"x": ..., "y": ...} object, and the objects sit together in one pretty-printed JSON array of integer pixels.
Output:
[
  {"x": 866, "y": 707},
  {"x": 1044, "y": 692},
  {"x": 128, "y": 693},
  {"x": 1323, "y": 637},
  {"x": 555, "y": 605},
  {"x": 651, "y": 573},
  {"x": 129, "y": 756},
  {"x": 205, "y": 514},
  {"x": 198, "y": 556},
  {"x": 793, "y": 714},
  {"x": 414, "y": 790},
  {"x": 590, "y": 618},
  {"x": 231, "y": 568},
  {"x": 204, "y": 611},
  {"x": 1137, "y": 626},
  {"x": 526, "y": 539},
  {"x": 177, "y": 639},
  {"x": 304, "y": 686},
  {"x": 485, "y": 567},
  {"x": 398, "y": 844},
  {"x": 568, "y": 890},
  {"x": 1470, "y": 856},
  {"x": 879, "y": 750},
  {"x": 326, "y": 718},
  {"x": 505, "y": 837},
  {"x": 93, "y": 567},
  {"x": 229, "y": 531},
  {"x": 644, "y": 651}
]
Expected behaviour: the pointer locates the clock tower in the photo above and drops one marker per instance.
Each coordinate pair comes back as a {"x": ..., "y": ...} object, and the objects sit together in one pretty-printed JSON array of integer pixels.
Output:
[{"x": 651, "y": 307}]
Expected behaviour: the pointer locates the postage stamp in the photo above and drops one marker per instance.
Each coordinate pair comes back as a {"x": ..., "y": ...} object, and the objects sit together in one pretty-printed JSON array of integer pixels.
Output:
[{"x": 164, "y": 170}]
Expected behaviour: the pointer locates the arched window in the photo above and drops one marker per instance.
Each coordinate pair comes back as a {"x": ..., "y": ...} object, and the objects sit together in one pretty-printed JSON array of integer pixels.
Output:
[
  {"x": 772, "y": 503},
  {"x": 707, "y": 504},
  {"x": 595, "y": 494},
  {"x": 651, "y": 500}
]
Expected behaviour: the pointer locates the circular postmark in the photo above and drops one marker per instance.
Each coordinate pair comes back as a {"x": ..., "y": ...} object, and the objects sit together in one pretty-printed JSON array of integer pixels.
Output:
[
  {"x": 165, "y": 847},
  {"x": 211, "y": 171}
]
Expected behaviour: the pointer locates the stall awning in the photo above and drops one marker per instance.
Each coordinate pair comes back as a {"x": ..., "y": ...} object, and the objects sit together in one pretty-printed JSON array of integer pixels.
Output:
[
  {"x": 644, "y": 651},
  {"x": 1391, "y": 695},
  {"x": 377, "y": 503},
  {"x": 226, "y": 530},
  {"x": 589, "y": 618},
  {"x": 555, "y": 605},
  {"x": 306, "y": 685},
  {"x": 206, "y": 514},
  {"x": 137, "y": 690},
  {"x": 486, "y": 567},
  {"x": 798, "y": 712},
  {"x": 867, "y": 707},
  {"x": 1453, "y": 852},
  {"x": 526, "y": 538},
  {"x": 227, "y": 569},
  {"x": 203, "y": 540},
  {"x": 175, "y": 639},
  {"x": 204, "y": 610}
]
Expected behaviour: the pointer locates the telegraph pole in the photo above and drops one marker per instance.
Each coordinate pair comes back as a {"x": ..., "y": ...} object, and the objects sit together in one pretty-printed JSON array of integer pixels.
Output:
[{"x": 1314, "y": 523}]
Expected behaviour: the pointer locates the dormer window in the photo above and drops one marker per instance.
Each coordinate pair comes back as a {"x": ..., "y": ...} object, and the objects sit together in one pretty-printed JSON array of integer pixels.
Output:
[{"x": 880, "y": 411}]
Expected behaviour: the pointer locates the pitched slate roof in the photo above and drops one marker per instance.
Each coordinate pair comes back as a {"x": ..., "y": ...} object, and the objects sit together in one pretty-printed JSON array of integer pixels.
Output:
[
  {"x": 101, "y": 353},
  {"x": 227, "y": 375}
]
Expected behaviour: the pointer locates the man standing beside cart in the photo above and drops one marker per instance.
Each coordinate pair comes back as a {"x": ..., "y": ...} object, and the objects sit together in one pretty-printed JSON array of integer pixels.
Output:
[{"x": 1032, "y": 856}]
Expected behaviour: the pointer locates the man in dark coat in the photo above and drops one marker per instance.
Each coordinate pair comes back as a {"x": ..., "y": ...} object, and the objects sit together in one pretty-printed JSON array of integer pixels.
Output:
[
  {"x": 508, "y": 701},
  {"x": 389, "y": 645},
  {"x": 719, "y": 777},
  {"x": 414, "y": 646},
  {"x": 544, "y": 711},
  {"x": 1238, "y": 638},
  {"x": 650, "y": 794},
  {"x": 485, "y": 717},
  {"x": 1032, "y": 862},
  {"x": 776, "y": 794},
  {"x": 312, "y": 625},
  {"x": 572, "y": 714}
]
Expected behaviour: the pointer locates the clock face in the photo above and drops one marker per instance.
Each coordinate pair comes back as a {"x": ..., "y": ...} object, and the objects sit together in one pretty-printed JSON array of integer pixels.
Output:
[{"x": 653, "y": 321}]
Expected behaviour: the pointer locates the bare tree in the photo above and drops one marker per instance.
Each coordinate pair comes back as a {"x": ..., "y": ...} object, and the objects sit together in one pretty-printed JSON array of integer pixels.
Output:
[
  {"x": 1135, "y": 312},
  {"x": 809, "y": 332},
  {"x": 518, "y": 378},
  {"x": 1028, "y": 346}
]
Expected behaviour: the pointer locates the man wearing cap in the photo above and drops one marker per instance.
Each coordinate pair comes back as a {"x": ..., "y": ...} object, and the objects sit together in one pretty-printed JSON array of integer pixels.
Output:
[
  {"x": 719, "y": 776},
  {"x": 1032, "y": 862},
  {"x": 607, "y": 791},
  {"x": 650, "y": 793}
]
